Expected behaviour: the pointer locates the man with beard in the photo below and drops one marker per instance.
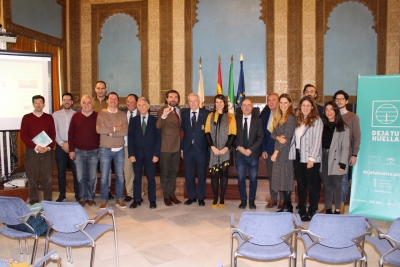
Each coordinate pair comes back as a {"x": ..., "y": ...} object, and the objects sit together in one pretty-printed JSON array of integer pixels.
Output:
[
  {"x": 341, "y": 99},
  {"x": 62, "y": 119},
  {"x": 169, "y": 122}
]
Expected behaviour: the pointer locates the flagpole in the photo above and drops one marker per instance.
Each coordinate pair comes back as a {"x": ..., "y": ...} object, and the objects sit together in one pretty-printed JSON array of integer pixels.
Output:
[
  {"x": 231, "y": 94},
  {"x": 200, "y": 89}
]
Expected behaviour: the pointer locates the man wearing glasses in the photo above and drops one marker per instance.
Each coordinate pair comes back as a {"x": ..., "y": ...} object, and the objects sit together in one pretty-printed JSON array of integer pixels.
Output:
[
  {"x": 311, "y": 91},
  {"x": 62, "y": 119},
  {"x": 341, "y": 99}
]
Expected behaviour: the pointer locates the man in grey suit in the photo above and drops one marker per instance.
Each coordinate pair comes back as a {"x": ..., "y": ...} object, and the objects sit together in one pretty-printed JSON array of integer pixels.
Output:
[{"x": 248, "y": 140}]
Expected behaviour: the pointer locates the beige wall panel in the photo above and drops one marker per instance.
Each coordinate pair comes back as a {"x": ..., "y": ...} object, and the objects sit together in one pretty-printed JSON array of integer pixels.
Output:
[
  {"x": 309, "y": 45},
  {"x": 154, "y": 51},
  {"x": 86, "y": 52},
  {"x": 178, "y": 26},
  {"x": 393, "y": 37},
  {"x": 280, "y": 46}
]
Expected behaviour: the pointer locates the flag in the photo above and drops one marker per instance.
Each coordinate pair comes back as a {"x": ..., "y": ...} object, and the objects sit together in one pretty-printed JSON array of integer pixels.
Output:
[
  {"x": 219, "y": 82},
  {"x": 241, "y": 92},
  {"x": 200, "y": 89},
  {"x": 231, "y": 94}
]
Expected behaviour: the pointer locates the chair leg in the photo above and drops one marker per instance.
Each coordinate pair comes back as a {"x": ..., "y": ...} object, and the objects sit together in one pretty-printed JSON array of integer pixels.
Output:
[
  {"x": 46, "y": 250},
  {"x": 34, "y": 250},
  {"x": 20, "y": 248},
  {"x": 290, "y": 262},
  {"x": 235, "y": 261},
  {"x": 70, "y": 255},
  {"x": 92, "y": 257},
  {"x": 116, "y": 246},
  {"x": 26, "y": 247}
]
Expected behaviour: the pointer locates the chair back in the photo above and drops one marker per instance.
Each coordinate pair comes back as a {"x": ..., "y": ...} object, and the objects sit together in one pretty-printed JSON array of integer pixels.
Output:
[
  {"x": 12, "y": 208},
  {"x": 64, "y": 215},
  {"x": 266, "y": 228},
  {"x": 337, "y": 231},
  {"x": 394, "y": 230}
]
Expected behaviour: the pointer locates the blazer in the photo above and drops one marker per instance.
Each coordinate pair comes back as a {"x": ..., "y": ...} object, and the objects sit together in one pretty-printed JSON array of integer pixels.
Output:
[
  {"x": 197, "y": 135},
  {"x": 144, "y": 145},
  {"x": 256, "y": 135},
  {"x": 267, "y": 144},
  {"x": 310, "y": 143},
  {"x": 338, "y": 152},
  {"x": 170, "y": 128}
]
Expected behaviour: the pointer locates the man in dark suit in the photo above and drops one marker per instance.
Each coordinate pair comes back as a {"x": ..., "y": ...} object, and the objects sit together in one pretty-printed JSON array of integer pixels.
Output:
[
  {"x": 194, "y": 149},
  {"x": 248, "y": 140},
  {"x": 144, "y": 142}
]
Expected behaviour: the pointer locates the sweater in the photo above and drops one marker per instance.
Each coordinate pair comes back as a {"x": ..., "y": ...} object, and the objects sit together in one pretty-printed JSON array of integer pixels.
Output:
[
  {"x": 352, "y": 120},
  {"x": 32, "y": 125},
  {"x": 106, "y": 121},
  {"x": 82, "y": 132}
]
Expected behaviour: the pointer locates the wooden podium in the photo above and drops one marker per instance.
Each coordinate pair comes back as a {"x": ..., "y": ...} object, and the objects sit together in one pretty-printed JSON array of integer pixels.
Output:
[{"x": 21, "y": 192}]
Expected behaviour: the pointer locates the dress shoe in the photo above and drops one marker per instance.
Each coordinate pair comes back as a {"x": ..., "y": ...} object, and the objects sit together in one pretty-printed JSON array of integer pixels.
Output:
[
  {"x": 281, "y": 203},
  {"x": 303, "y": 213},
  {"x": 271, "y": 204},
  {"x": 328, "y": 211},
  {"x": 167, "y": 202},
  {"x": 214, "y": 206},
  {"x": 342, "y": 208},
  {"x": 153, "y": 205},
  {"x": 337, "y": 212},
  {"x": 135, "y": 204},
  {"x": 127, "y": 199},
  {"x": 110, "y": 196},
  {"x": 174, "y": 200},
  {"x": 286, "y": 208},
  {"x": 243, "y": 204},
  {"x": 82, "y": 202},
  {"x": 252, "y": 205},
  {"x": 201, "y": 203},
  {"x": 189, "y": 201},
  {"x": 221, "y": 205},
  {"x": 61, "y": 199},
  {"x": 91, "y": 202}
]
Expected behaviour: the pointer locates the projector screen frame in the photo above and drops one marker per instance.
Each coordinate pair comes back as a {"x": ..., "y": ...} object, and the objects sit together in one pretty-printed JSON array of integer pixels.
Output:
[{"x": 47, "y": 94}]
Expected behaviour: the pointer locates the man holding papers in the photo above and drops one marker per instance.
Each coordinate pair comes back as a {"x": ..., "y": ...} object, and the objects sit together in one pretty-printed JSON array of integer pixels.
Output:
[{"x": 38, "y": 156}]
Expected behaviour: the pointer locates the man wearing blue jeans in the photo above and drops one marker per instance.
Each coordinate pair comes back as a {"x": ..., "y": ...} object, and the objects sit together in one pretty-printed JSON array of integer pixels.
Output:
[
  {"x": 112, "y": 125},
  {"x": 248, "y": 140},
  {"x": 83, "y": 142}
]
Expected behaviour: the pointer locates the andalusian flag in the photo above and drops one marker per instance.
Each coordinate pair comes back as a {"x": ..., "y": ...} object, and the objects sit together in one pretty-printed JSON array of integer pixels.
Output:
[
  {"x": 219, "y": 82},
  {"x": 231, "y": 94},
  {"x": 200, "y": 89},
  {"x": 241, "y": 92}
]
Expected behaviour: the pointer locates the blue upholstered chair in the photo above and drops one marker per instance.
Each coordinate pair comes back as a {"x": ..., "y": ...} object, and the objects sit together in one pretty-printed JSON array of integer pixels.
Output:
[
  {"x": 51, "y": 255},
  {"x": 14, "y": 211},
  {"x": 388, "y": 245},
  {"x": 336, "y": 239},
  {"x": 72, "y": 228},
  {"x": 264, "y": 236}
]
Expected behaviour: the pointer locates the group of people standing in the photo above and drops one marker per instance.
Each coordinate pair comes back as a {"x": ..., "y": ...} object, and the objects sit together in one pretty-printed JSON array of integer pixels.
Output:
[{"x": 311, "y": 142}]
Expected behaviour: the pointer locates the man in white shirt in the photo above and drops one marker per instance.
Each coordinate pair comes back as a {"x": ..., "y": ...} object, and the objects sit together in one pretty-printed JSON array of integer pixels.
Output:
[
  {"x": 131, "y": 105},
  {"x": 62, "y": 119}
]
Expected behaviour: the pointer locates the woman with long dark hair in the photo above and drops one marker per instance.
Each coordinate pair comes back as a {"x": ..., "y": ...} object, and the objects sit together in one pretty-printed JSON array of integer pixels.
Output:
[
  {"x": 335, "y": 152},
  {"x": 305, "y": 150},
  {"x": 284, "y": 123},
  {"x": 220, "y": 132}
]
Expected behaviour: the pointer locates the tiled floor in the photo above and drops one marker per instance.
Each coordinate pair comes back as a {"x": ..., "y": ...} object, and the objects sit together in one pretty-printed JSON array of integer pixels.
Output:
[{"x": 167, "y": 237}]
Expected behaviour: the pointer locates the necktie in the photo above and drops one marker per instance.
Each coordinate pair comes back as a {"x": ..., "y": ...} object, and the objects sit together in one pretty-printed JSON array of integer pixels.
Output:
[
  {"x": 271, "y": 123},
  {"x": 245, "y": 135},
  {"x": 194, "y": 120},
  {"x": 144, "y": 125},
  {"x": 177, "y": 116},
  {"x": 131, "y": 114}
]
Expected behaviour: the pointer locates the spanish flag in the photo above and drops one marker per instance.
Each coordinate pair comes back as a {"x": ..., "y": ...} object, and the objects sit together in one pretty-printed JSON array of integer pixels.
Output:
[{"x": 219, "y": 82}]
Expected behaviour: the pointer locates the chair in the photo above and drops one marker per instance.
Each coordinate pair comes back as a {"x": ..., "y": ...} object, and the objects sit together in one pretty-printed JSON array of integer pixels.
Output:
[
  {"x": 14, "y": 211},
  {"x": 264, "y": 236},
  {"x": 51, "y": 255},
  {"x": 72, "y": 228},
  {"x": 388, "y": 245},
  {"x": 336, "y": 239}
]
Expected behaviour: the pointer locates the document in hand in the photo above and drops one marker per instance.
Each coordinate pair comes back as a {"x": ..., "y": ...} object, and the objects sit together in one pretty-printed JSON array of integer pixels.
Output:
[{"x": 42, "y": 139}]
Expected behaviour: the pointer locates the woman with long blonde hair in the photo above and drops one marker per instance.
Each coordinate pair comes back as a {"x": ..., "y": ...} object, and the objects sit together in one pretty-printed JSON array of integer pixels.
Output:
[{"x": 282, "y": 171}]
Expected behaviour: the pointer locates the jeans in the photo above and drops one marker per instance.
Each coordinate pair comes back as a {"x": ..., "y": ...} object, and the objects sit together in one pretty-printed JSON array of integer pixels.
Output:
[
  {"x": 62, "y": 159},
  {"x": 244, "y": 164},
  {"x": 86, "y": 170},
  {"x": 106, "y": 156}
]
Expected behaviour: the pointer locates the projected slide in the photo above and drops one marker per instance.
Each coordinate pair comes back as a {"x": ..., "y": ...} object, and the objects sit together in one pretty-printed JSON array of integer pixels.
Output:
[{"x": 22, "y": 76}]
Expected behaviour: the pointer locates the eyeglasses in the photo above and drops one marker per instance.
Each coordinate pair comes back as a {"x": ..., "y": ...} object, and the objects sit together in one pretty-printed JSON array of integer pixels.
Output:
[
  {"x": 340, "y": 99},
  {"x": 310, "y": 91},
  {"x": 67, "y": 100}
]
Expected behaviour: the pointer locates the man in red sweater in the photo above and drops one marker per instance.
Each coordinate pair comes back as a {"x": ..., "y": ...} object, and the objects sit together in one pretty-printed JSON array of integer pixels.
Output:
[
  {"x": 83, "y": 142},
  {"x": 38, "y": 157}
]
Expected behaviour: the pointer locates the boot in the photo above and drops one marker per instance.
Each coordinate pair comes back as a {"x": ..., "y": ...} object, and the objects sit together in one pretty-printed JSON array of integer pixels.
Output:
[
  {"x": 303, "y": 213},
  {"x": 243, "y": 204},
  {"x": 311, "y": 212},
  {"x": 252, "y": 205},
  {"x": 328, "y": 211},
  {"x": 288, "y": 207},
  {"x": 337, "y": 212}
]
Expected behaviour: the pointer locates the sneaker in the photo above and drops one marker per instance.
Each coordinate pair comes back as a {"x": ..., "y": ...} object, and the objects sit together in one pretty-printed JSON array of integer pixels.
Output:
[
  {"x": 91, "y": 203},
  {"x": 82, "y": 202},
  {"x": 61, "y": 199},
  {"x": 121, "y": 203},
  {"x": 104, "y": 204}
]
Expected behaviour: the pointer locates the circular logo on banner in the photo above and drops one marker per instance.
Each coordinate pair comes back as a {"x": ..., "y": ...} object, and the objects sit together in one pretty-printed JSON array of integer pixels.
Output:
[{"x": 386, "y": 113}]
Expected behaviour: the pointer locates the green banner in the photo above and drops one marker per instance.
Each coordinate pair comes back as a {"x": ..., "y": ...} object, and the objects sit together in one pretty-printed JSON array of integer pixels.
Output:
[{"x": 375, "y": 190}]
